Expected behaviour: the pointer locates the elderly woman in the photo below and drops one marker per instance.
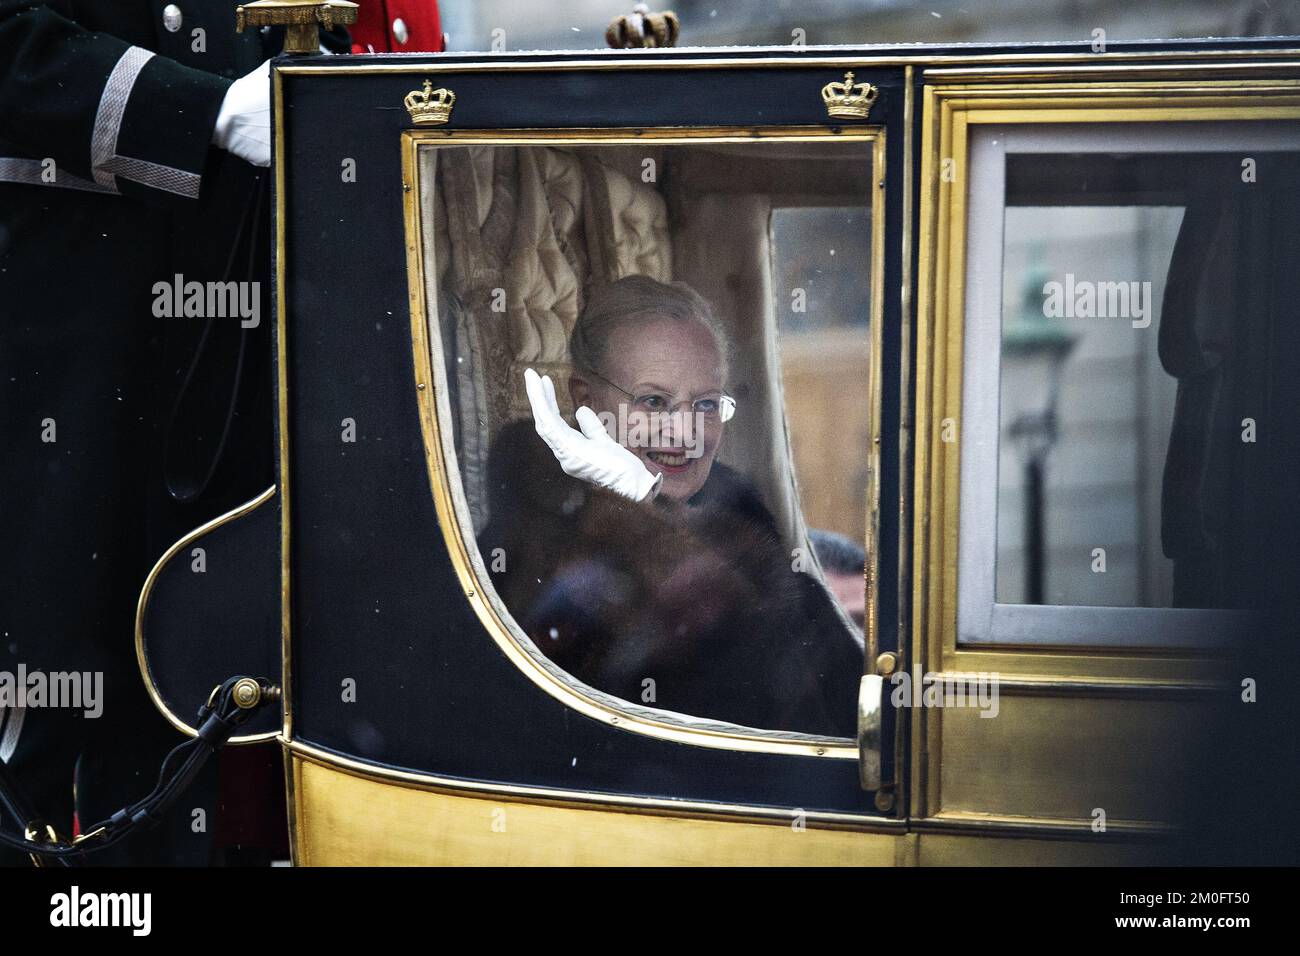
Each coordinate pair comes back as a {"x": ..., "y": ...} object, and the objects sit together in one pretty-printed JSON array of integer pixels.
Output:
[{"x": 634, "y": 559}]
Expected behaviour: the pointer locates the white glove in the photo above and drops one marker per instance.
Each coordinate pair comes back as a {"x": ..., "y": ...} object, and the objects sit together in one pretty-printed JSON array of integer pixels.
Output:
[
  {"x": 591, "y": 454},
  {"x": 244, "y": 123}
]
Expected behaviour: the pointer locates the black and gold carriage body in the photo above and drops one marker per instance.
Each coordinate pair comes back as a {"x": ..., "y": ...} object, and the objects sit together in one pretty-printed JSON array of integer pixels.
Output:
[{"x": 359, "y": 574}]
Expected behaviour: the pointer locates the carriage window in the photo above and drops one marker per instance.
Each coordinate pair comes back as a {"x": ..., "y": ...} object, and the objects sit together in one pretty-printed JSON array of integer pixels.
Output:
[
  {"x": 608, "y": 320},
  {"x": 1127, "y": 293}
]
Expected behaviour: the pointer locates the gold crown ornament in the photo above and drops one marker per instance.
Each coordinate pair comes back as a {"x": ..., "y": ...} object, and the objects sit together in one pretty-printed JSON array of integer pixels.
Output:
[
  {"x": 847, "y": 100},
  {"x": 430, "y": 107}
]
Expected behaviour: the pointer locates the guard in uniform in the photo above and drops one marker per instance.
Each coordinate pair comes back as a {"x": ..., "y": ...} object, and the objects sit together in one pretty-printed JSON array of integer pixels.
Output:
[
  {"x": 133, "y": 136},
  {"x": 398, "y": 26}
]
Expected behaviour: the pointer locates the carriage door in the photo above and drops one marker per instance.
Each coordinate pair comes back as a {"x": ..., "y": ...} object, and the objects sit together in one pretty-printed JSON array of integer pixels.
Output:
[{"x": 1106, "y": 392}]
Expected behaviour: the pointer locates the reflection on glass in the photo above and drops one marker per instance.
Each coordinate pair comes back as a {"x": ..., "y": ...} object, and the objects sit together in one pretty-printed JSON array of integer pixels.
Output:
[
  {"x": 1140, "y": 298},
  {"x": 608, "y": 321},
  {"x": 821, "y": 262}
]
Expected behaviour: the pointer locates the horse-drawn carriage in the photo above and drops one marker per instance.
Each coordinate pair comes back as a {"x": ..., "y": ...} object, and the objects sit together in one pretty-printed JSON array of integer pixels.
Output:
[{"x": 1015, "y": 319}]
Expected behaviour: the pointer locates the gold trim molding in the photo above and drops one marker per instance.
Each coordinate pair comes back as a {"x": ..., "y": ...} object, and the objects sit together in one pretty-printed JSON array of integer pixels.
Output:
[
  {"x": 1200, "y": 61},
  {"x": 551, "y": 826},
  {"x": 429, "y": 390},
  {"x": 142, "y": 605},
  {"x": 585, "y": 799},
  {"x": 949, "y": 112}
]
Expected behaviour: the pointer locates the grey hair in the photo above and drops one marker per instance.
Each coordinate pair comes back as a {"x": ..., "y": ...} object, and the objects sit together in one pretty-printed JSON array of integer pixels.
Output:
[{"x": 629, "y": 300}]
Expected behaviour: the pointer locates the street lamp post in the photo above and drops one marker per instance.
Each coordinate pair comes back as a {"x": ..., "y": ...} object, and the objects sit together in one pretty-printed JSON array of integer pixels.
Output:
[{"x": 1034, "y": 349}]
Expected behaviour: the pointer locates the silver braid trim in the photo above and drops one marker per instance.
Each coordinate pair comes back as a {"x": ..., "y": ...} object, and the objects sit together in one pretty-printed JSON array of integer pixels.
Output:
[
  {"x": 112, "y": 107},
  {"x": 31, "y": 172}
]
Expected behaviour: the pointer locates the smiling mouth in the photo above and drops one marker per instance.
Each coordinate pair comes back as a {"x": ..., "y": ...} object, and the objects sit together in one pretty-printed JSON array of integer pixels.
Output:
[{"x": 670, "y": 461}]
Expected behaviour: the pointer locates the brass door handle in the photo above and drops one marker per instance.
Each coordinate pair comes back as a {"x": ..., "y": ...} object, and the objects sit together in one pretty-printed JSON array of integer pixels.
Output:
[{"x": 871, "y": 717}]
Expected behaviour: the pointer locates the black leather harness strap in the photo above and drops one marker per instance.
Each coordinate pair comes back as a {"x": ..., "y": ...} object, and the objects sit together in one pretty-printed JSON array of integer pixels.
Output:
[{"x": 230, "y": 705}]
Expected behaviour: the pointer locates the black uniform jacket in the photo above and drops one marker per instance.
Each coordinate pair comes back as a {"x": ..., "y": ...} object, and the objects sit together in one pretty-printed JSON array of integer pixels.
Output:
[{"x": 119, "y": 430}]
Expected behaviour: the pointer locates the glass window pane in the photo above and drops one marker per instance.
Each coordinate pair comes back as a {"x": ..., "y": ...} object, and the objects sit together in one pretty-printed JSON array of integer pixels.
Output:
[
  {"x": 1143, "y": 294},
  {"x": 649, "y": 538},
  {"x": 821, "y": 258}
]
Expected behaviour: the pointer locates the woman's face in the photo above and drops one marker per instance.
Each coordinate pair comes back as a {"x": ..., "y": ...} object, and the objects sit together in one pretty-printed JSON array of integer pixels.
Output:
[{"x": 674, "y": 374}]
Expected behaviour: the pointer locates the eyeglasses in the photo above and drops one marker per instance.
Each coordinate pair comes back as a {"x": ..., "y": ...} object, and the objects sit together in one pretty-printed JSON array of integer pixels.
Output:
[{"x": 715, "y": 407}]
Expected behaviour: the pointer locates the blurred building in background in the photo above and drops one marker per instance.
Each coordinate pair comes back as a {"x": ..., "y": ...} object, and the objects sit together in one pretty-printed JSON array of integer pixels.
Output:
[{"x": 580, "y": 24}]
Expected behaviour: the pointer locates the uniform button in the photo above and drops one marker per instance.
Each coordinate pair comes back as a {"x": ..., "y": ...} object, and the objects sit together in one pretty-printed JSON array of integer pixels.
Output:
[
  {"x": 400, "y": 33},
  {"x": 172, "y": 17}
]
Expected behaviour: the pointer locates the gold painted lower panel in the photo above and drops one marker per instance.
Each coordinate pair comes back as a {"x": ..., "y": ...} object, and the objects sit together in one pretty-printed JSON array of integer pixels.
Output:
[
  {"x": 1064, "y": 757},
  {"x": 342, "y": 819},
  {"x": 951, "y": 849},
  {"x": 346, "y": 820}
]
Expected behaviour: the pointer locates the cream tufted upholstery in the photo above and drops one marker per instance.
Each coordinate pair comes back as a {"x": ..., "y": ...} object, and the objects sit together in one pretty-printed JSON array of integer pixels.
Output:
[{"x": 639, "y": 230}]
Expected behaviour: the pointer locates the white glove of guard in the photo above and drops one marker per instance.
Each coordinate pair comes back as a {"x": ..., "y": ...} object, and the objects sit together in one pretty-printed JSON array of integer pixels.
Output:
[
  {"x": 244, "y": 123},
  {"x": 591, "y": 454}
]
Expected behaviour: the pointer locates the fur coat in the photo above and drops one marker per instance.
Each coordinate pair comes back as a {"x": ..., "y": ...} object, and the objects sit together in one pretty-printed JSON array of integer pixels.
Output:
[{"x": 694, "y": 608}]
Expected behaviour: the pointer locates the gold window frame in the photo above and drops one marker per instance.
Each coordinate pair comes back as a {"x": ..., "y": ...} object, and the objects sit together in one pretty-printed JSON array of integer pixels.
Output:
[
  {"x": 951, "y": 109},
  {"x": 430, "y": 391}
]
